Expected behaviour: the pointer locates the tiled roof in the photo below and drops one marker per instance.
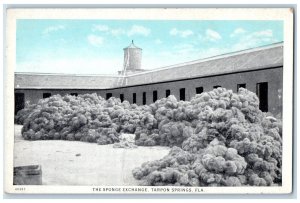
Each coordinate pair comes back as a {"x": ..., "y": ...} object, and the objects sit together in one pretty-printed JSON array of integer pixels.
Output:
[
  {"x": 264, "y": 57},
  {"x": 63, "y": 81}
]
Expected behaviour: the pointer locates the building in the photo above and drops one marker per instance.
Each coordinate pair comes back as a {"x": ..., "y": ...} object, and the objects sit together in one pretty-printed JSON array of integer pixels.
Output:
[{"x": 259, "y": 69}]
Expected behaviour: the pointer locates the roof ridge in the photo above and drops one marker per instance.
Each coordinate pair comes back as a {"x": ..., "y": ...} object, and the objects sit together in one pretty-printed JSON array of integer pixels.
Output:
[{"x": 225, "y": 55}]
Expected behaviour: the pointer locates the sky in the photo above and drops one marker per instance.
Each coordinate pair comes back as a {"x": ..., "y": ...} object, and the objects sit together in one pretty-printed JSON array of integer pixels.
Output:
[{"x": 96, "y": 46}]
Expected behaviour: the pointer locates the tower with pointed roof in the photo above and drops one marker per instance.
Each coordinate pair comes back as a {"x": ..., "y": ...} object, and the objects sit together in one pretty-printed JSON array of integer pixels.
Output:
[{"x": 132, "y": 58}]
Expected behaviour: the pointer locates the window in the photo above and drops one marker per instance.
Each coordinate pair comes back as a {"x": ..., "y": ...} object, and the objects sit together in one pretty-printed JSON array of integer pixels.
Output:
[
  {"x": 154, "y": 96},
  {"x": 182, "y": 94},
  {"x": 46, "y": 95},
  {"x": 74, "y": 94},
  {"x": 122, "y": 97},
  {"x": 134, "y": 98},
  {"x": 215, "y": 87},
  {"x": 168, "y": 92},
  {"x": 262, "y": 93},
  {"x": 108, "y": 95},
  {"x": 144, "y": 98},
  {"x": 199, "y": 90},
  {"x": 241, "y": 85},
  {"x": 19, "y": 102}
]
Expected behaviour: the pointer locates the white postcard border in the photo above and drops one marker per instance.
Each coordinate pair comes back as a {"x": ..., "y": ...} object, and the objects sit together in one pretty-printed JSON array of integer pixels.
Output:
[{"x": 284, "y": 14}]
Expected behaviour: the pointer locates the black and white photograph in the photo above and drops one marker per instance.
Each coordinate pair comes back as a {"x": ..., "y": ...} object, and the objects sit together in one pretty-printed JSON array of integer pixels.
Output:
[{"x": 176, "y": 101}]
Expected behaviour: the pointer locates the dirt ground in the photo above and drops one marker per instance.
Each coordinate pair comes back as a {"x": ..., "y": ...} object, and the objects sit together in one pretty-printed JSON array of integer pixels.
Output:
[{"x": 80, "y": 163}]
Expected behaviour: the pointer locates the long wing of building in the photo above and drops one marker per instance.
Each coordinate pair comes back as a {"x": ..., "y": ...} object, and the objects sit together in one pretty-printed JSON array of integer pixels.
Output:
[{"x": 258, "y": 69}]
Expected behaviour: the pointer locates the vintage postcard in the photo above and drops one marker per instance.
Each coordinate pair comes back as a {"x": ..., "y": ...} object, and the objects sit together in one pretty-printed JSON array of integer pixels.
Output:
[{"x": 149, "y": 101}]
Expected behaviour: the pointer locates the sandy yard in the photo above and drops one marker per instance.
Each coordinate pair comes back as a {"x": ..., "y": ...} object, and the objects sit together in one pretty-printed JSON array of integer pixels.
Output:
[{"x": 80, "y": 163}]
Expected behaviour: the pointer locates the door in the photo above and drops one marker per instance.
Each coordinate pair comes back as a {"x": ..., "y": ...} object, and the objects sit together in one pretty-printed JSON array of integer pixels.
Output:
[
  {"x": 19, "y": 102},
  {"x": 182, "y": 94},
  {"x": 262, "y": 93}
]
